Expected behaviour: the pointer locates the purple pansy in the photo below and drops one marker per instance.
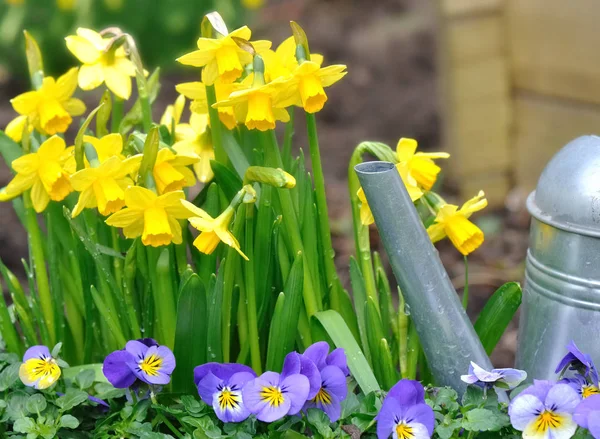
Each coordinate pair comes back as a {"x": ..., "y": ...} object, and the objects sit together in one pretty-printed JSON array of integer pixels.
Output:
[
  {"x": 294, "y": 363},
  {"x": 578, "y": 361},
  {"x": 332, "y": 387},
  {"x": 545, "y": 409},
  {"x": 500, "y": 378},
  {"x": 142, "y": 360},
  {"x": 581, "y": 385},
  {"x": 220, "y": 385},
  {"x": 587, "y": 415},
  {"x": 272, "y": 396},
  {"x": 404, "y": 413},
  {"x": 319, "y": 354}
]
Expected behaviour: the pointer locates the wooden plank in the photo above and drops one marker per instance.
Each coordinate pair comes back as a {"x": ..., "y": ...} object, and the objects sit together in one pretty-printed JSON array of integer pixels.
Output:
[
  {"x": 477, "y": 80},
  {"x": 473, "y": 38},
  {"x": 495, "y": 185},
  {"x": 465, "y": 7},
  {"x": 542, "y": 127},
  {"x": 554, "y": 47}
]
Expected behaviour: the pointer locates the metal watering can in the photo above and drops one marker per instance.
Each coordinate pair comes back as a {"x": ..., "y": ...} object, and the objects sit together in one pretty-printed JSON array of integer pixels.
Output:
[
  {"x": 561, "y": 296},
  {"x": 445, "y": 332}
]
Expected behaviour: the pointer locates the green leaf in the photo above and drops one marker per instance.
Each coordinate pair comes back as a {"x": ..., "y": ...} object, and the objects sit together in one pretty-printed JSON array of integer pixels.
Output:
[
  {"x": 445, "y": 399},
  {"x": 485, "y": 420},
  {"x": 360, "y": 302},
  {"x": 190, "y": 333},
  {"x": 320, "y": 421},
  {"x": 149, "y": 157},
  {"x": 24, "y": 425},
  {"x": 374, "y": 336},
  {"x": 7, "y": 327},
  {"x": 74, "y": 373},
  {"x": 497, "y": 314},
  {"x": 36, "y": 403},
  {"x": 85, "y": 378},
  {"x": 9, "y": 149},
  {"x": 68, "y": 421},
  {"x": 72, "y": 398},
  {"x": 234, "y": 152},
  {"x": 446, "y": 430},
  {"x": 229, "y": 182},
  {"x": 9, "y": 376},
  {"x": 389, "y": 373},
  {"x": 214, "y": 343},
  {"x": 79, "y": 138},
  {"x": 284, "y": 325},
  {"x": 337, "y": 329}
]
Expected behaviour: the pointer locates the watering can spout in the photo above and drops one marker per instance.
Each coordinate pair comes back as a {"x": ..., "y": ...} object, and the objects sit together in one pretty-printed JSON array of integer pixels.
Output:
[{"x": 448, "y": 338}]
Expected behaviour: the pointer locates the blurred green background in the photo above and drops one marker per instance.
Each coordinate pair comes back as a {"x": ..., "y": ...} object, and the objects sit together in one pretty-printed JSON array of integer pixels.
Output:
[{"x": 164, "y": 29}]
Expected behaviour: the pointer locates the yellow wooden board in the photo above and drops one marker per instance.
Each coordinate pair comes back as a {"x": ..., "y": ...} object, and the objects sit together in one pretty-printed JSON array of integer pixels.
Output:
[
  {"x": 495, "y": 185},
  {"x": 554, "y": 47},
  {"x": 542, "y": 127},
  {"x": 478, "y": 80},
  {"x": 473, "y": 38},
  {"x": 463, "y": 7}
]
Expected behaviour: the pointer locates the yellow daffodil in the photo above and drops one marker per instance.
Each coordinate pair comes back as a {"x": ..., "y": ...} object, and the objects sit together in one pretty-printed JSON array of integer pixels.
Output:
[
  {"x": 252, "y": 4},
  {"x": 50, "y": 108},
  {"x": 101, "y": 65},
  {"x": 15, "y": 128},
  {"x": 306, "y": 86},
  {"x": 104, "y": 186},
  {"x": 152, "y": 217},
  {"x": 366, "y": 216},
  {"x": 453, "y": 222},
  {"x": 196, "y": 91},
  {"x": 214, "y": 230},
  {"x": 222, "y": 57},
  {"x": 66, "y": 5},
  {"x": 107, "y": 146},
  {"x": 43, "y": 172},
  {"x": 419, "y": 164},
  {"x": 282, "y": 61},
  {"x": 194, "y": 138},
  {"x": 173, "y": 112},
  {"x": 258, "y": 106},
  {"x": 171, "y": 172}
]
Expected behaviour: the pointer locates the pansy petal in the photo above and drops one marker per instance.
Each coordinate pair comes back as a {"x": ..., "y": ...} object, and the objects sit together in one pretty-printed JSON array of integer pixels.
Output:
[
  {"x": 390, "y": 411},
  {"x": 168, "y": 359},
  {"x": 337, "y": 357},
  {"x": 422, "y": 414},
  {"x": 523, "y": 409},
  {"x": 563, "y": 398},
  {"x": 208, "y": 386},
  {"x": 594, "y": 424},
  {"x": 137, "y": 349},
  {"x": 334, "y": 380},
  {"x": 565, "y": 430},
  {"x": 116, "y": 371},
  {"x": 419, "y": 431},
  {"x": 37, "y": 352},
  {"x": 295, "y": 389},
  {"x": 317, "y": 352},
  {"x": 408, "y": 392}
]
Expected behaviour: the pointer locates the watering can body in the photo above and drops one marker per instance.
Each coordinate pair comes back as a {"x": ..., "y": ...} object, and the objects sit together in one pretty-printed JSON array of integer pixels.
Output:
[{"x": 561, "y": 294}]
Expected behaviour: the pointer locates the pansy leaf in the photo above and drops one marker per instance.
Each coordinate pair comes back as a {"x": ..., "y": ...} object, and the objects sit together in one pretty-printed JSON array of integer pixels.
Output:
[
  {"x": 24, "y": 425},
  {"x": 484, "y": 420},
  {"x": 68, "y": 421},
  {"x": 72, "y": 398},
  {"x": 36, "y": 403}
]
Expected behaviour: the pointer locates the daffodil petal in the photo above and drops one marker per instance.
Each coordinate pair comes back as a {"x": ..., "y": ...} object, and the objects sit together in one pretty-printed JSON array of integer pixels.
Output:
[
  {"x": 117, "y": 82},
  {"x": 83, "y": 49},
  {"x": 90, "y": 76},
  {"x": 39, "y": 196}
]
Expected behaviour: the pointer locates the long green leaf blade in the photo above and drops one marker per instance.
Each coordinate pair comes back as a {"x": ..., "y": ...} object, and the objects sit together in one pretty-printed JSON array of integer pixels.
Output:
[{"x": 337, "y": 329}]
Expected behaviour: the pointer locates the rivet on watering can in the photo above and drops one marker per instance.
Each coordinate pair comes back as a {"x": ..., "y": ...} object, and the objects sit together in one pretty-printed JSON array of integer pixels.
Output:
[
  {"x": 446, "y": 334},
  {"x": 561, "y": 294}
]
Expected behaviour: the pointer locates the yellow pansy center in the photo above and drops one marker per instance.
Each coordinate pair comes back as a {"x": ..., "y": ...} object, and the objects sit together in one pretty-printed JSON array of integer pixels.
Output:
[
  {"x": 323, "y": 397},
  {"x": 546, "y": 421},
  {"x": 260, "y": 112},
  {"x": 151, "y": 365},
  {"x": 312, "y": 94},
  {"x": 228, "y": 63},
  {"x": 228, "y": 400},
  {"x": 589, "y": 390},
  {"x": 403, "y": 431},
  {"x": 41, "y": 372},
  {"x": 465, "y": 235},
  {"x": 157, "y": 230},
  {"x": 272, "y": 395}
]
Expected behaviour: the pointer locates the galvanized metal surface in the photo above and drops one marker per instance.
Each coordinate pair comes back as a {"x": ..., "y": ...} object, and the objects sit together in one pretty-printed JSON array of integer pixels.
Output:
[
  {"x": 561, "y": 296},
  {"x": 447, "y": 336}
]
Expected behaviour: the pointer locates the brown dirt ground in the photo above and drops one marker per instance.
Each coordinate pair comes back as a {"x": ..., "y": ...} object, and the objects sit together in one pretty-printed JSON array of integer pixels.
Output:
[{"x": 389, "y": 92}]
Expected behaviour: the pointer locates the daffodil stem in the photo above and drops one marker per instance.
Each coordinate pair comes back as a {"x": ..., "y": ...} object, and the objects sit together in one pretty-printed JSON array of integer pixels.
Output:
[
  {"x": 117, "y": 262},
  {"x": 465, "y": 298},
  {"x": 403, "y": 321},
  {"x": 168, "y": 423},
  {"x": 117, "y": 114},
  {"x": 273, "y": 158},
  {"x": 321, "y": 198},
  {"x": 39, "y": 267},
  {"x": 253, "y": 336},
  {"x": 287, "y": 141},
  {"x": 216, "y": 128}
]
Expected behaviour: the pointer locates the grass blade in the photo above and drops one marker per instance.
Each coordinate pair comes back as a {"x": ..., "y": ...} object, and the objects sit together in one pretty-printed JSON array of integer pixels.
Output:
[
  {"x": 214, "y": 351},
  {"x": 360, "y": 301}
]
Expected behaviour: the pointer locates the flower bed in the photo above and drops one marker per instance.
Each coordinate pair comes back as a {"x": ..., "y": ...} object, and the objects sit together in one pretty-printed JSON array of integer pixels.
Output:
[{"x": 245, "y": 329}]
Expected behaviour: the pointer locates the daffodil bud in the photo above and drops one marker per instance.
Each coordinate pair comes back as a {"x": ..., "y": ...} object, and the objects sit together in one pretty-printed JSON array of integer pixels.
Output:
[
  {"x": 435, "y": 200},
  {"x": 249, "y": 194},
  {"x": 34, "y": 60},
  {"x": 271, "y": 176},
  {"x": 91, "y": 154},
  {"x": 258, "y": 66}
]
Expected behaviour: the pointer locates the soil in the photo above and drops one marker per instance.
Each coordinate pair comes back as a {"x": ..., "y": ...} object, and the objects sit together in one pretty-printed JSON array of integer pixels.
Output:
[{"x": 389, "y": 92}]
